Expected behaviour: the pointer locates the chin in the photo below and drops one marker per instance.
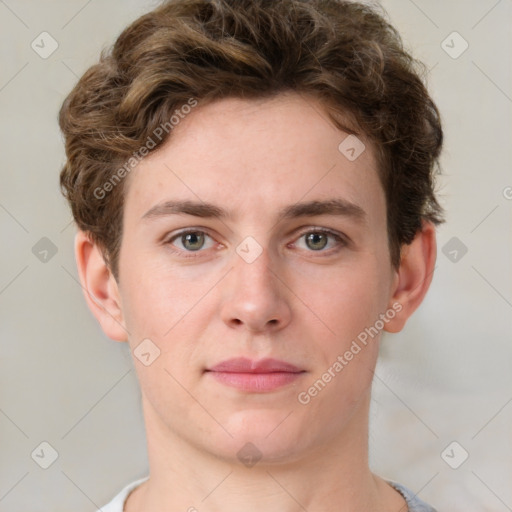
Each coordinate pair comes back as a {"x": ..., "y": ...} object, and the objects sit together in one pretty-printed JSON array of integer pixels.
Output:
[{"x": 271, "y": 437}]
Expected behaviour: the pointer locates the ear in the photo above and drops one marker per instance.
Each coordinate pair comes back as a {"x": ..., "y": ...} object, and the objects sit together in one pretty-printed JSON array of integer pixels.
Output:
[
  {"x": 100, "y": 288},
  {"x": 413, "y": 277}
]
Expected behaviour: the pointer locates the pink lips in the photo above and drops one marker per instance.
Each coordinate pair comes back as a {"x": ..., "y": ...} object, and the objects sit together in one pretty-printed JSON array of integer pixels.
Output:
[{"x": 255, "y": 376}]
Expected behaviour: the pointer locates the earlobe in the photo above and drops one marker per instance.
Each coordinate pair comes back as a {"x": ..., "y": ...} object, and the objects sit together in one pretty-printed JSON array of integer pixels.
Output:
[
  {"x": 413, "y": 276},
  {"x": 100, "y": 288}
]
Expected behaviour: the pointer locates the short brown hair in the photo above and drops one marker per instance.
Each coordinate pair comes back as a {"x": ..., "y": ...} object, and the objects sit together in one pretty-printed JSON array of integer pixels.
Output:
[{"x": 346, "y": 54}]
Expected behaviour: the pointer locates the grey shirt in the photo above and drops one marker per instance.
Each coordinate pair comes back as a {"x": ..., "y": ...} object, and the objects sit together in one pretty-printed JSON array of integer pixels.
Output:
[{"x": 413, "y": 502}]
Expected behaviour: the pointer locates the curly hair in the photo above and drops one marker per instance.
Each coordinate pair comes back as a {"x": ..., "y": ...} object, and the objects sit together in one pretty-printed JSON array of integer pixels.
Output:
[{"x": 343, "y": 53}]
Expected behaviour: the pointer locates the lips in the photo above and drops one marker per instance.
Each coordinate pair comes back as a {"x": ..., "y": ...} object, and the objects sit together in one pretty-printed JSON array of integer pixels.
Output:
[
  {"x": 255, "y": 376},
  {"x": 243, "y": 365}
]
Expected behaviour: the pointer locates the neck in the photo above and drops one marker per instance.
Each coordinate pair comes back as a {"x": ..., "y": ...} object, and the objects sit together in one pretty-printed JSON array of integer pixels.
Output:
[{"x": 334, "y": 476}]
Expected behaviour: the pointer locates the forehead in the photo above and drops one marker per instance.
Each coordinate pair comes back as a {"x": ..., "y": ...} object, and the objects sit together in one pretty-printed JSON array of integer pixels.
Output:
[{"x": 255, "y": 157}]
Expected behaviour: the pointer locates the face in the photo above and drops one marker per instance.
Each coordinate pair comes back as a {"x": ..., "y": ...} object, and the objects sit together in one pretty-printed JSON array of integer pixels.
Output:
[{"x": 281, "y": 254}]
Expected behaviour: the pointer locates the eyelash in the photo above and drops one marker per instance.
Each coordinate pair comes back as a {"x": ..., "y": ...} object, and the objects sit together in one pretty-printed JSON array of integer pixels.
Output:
[{"x": 341, "y": 241}]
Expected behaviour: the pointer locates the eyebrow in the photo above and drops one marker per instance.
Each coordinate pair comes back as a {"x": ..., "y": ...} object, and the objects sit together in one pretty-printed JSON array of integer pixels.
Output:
[{"x": 335, "y": 207}]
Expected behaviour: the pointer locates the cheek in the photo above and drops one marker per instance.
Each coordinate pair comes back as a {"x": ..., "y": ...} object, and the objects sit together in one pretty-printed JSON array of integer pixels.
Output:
[
  {"x": 349, "y": 304},
  {"x": 346, "y": 299},
  {"x": 163, "y": 302},
  {"x": 150, "y": 303}
]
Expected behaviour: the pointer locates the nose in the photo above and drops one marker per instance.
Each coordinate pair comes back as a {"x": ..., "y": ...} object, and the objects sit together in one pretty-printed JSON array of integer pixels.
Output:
[{"x": 256, "y": 296}]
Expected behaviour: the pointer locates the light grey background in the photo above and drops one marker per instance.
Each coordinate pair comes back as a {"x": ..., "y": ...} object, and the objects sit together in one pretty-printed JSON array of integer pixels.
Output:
[{"x": 445, "y": 378}]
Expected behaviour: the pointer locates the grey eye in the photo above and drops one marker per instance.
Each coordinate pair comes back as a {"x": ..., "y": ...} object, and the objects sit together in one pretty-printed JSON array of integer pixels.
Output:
[
  {"x": 316, "y": 241},
  {"x": 192, "y": 241}
]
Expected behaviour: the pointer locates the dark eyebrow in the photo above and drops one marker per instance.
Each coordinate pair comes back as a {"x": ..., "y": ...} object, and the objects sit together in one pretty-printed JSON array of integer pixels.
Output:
[{"x": 338, "y": 207}]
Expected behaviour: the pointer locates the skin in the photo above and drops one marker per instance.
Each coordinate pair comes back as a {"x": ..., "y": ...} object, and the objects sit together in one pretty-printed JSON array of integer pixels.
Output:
[{"x": 297, "y": 301}]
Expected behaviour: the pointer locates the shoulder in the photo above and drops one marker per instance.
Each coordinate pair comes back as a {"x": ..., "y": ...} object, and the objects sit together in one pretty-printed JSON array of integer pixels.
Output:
[
  {"x": 117, "y": 503},
  {"x": 413, "y": 502}
]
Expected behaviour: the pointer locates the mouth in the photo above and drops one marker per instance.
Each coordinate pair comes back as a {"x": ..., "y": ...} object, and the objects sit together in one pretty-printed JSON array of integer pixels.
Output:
[{"x": 255, "y": 376}]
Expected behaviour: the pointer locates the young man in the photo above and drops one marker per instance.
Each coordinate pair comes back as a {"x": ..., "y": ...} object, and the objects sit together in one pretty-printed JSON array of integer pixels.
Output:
[{"x": 253, "y": 187}]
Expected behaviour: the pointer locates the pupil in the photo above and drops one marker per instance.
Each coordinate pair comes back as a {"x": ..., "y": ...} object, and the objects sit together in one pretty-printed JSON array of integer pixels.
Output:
[{"x": 313, "y": 237}]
